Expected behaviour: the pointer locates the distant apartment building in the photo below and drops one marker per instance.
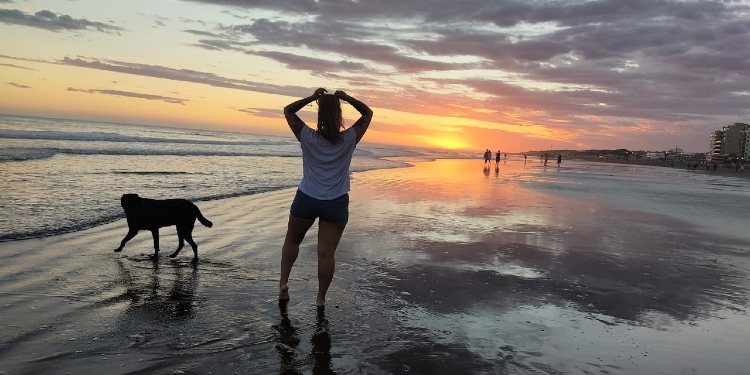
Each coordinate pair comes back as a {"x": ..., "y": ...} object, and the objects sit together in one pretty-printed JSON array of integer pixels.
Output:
[
  {"x": 714, "y": 146},
  {"x": 731, "y": 142}
]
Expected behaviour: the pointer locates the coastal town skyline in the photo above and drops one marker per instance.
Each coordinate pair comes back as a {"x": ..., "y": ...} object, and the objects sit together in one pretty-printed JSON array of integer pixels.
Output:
[{"x": 524, "y": 75}]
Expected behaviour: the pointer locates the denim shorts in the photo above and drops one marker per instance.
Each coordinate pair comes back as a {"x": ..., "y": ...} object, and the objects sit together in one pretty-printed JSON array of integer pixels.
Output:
[{"x": 332, "y": 211}]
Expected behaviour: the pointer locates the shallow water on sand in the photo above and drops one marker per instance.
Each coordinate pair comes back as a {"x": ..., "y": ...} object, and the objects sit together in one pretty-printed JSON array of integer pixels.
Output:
[
  {"x": 582, "y": 269},
  {"x": 443, "y": 269}
]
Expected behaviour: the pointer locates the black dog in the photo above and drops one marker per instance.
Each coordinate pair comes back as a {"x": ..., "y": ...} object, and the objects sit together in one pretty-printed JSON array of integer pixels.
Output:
[{"x": 152, "y": 214}]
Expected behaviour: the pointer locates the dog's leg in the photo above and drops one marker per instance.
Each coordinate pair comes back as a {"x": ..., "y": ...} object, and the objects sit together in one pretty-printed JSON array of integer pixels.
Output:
[
  {"x": 128, "y": 237},
  {"x": 155, "y": 233},
  {"x": 189, "y": 239},
  {"x": 180, "y": 238}
]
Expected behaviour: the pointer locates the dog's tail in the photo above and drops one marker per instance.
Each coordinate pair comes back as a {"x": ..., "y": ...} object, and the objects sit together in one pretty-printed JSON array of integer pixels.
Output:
[{"x": 202, "y": 219}]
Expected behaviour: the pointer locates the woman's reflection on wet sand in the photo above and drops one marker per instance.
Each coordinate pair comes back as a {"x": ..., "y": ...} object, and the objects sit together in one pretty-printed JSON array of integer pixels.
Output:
[{"x": 289, "y": 340}]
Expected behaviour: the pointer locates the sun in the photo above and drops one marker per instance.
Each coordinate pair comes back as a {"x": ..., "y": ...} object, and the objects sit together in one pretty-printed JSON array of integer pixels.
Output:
[{"x": 450, "y": 143}]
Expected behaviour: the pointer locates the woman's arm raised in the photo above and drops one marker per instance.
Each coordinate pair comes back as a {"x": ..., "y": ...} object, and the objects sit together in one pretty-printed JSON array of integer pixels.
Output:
[
  {"x": 290, "y": 111},
  {"x": 361, "y": 125}
]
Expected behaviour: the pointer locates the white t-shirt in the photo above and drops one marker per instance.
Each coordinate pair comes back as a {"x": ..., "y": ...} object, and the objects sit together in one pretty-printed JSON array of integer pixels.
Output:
[{"x": 325, "y": 165}]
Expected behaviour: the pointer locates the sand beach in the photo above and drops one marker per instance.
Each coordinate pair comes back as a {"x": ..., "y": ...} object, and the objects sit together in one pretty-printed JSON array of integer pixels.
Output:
[{"x": 443, "y": 269}]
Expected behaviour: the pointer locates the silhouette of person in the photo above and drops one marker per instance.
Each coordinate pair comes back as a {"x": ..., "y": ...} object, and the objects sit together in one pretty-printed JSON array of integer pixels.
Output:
[
  {"x": 497, "y": 159},
  {"x": 323, "y": 192},
  {"x": 559, "y": 159},
  {"x": 524, "y": 158}
]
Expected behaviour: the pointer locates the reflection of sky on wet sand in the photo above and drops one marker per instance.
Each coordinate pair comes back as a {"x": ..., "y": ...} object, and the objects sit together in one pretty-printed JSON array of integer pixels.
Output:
[{"x": 526, "y": 275}]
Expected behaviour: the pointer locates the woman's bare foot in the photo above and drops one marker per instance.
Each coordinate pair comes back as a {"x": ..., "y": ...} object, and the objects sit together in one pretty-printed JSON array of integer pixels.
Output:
[{"x": 283, "y": 292}]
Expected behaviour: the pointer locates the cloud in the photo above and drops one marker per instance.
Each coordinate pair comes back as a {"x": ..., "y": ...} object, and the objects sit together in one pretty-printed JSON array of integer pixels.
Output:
[
  {"x": 131, "y": 95},
  {"x": 186, "y": 75},
  {"x": 47, "y": 20},
  {"x": 263, "y": 112},
  {"x": 501, "y": 13},
  {"x": 345, "y": 39},
  {"x": 16, "y": 66},
  {"x": 310, "y": 63},
  {"x": 24, "y": 59},
  {"x": 158, "y": 21},
  {"x": 20, "y": 86},
  {"x": 202, "y": 33},
  {"x": 220, "y": 45},
  {"x": 582, "y": 64}
]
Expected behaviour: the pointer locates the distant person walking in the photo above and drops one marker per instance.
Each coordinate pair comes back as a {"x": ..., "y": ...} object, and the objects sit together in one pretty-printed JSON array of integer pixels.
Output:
[
  {"x": 497, "y": 159},
  {"x": 324, "y": 191},
  {"x": 487, "y": 157},
  {"x": 524, "y": 158},
  {"x": 559, "y": 159}
]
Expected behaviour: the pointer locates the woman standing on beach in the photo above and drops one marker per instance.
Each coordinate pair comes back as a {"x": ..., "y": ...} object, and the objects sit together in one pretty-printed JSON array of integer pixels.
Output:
[{"x": 324, "y": 190}]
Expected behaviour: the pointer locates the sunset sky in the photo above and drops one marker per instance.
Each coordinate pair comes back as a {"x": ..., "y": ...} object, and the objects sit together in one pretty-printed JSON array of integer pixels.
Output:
[{"x": 514, "y": 75}]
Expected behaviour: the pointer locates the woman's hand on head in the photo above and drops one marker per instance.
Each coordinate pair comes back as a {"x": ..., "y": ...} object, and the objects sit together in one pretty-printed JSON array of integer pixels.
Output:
[{"x": 319, "y": 92}]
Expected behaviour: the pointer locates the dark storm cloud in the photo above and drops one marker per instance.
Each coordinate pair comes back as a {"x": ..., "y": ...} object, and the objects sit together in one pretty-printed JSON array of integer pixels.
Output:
[
  {"x": 47, "y": 20},
  {"x": 185, "y": 75},
  {"x": 131, "y": 95}
]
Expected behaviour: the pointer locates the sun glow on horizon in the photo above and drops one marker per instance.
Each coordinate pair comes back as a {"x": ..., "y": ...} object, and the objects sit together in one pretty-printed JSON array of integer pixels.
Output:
[{"x": 450, "y": 143}]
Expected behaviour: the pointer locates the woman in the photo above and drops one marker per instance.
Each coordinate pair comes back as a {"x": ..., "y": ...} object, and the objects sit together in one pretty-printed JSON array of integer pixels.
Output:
[{"x": 324, "y": 190}]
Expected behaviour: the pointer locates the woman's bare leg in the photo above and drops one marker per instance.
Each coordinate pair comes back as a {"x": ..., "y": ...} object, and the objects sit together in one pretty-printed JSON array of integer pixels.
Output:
[
  {"x": 329, "y": 235},
  {"x": 295, "y": 233}
]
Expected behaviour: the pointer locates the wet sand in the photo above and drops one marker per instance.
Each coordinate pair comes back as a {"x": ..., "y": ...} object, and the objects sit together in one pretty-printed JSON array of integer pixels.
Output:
[{"x": 443, "y": 269}]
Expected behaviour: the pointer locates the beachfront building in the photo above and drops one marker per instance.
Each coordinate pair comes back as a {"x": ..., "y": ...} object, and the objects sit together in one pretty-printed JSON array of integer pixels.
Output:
[
  {"x": 714, "y": 146},
  {"x": 734, "y": 141},
  {"x": 729, "y": 143}
]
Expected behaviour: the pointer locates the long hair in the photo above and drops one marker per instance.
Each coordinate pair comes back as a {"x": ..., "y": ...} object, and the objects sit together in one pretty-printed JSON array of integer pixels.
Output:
[{"x": 330, "y": 121}]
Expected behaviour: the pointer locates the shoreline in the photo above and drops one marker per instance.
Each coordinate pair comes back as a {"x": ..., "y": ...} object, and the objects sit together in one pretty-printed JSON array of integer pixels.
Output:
[
  {"x": 404, "y": 161},
  {"x": 724, "y": 172}
]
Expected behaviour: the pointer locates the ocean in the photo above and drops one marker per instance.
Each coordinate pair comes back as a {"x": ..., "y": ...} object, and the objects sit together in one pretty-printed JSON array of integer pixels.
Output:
[{"x": 60, "y": 175}]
